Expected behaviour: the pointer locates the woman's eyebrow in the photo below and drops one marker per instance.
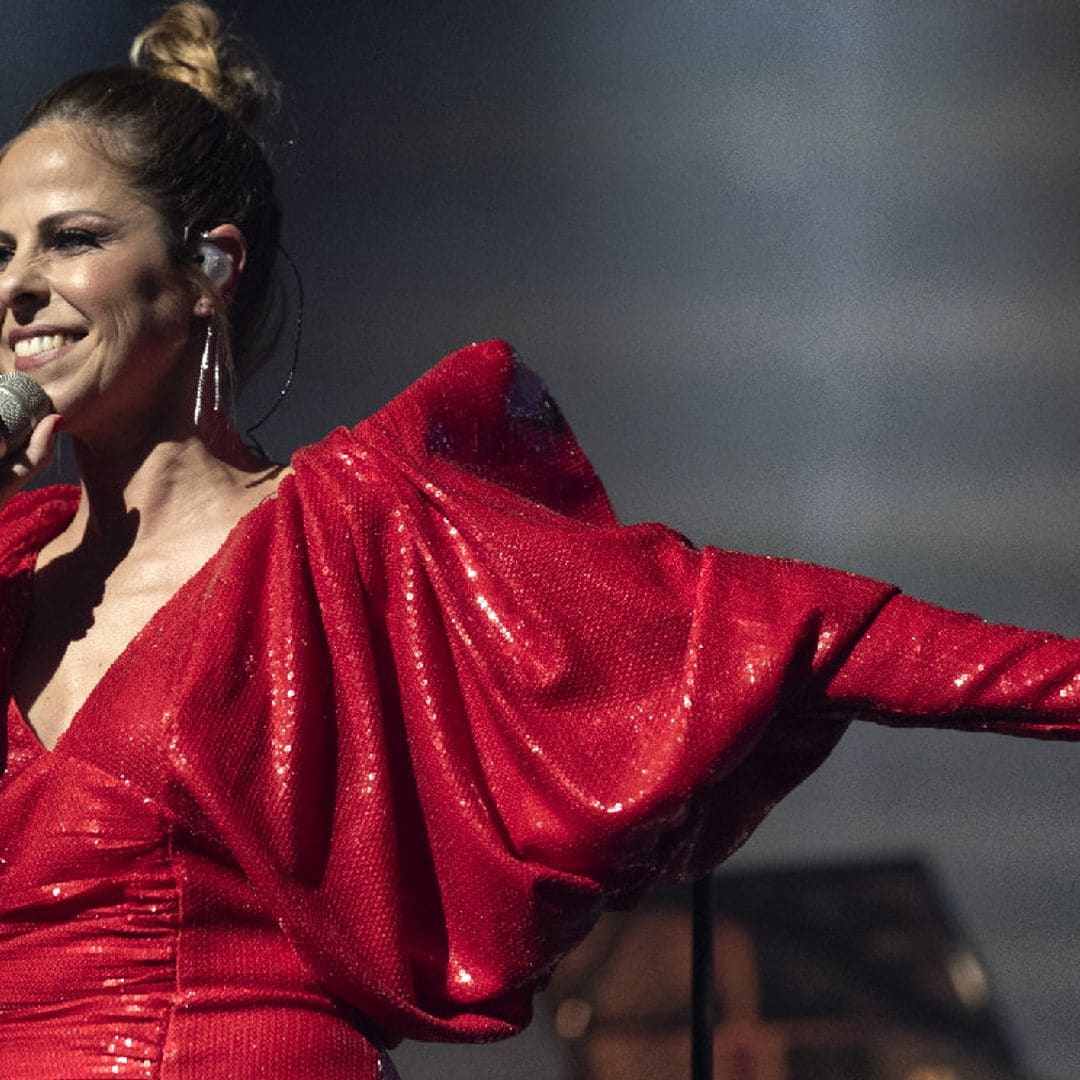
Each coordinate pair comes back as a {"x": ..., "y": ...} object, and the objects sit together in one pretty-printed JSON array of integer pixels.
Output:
[
  {"x": 61, "y": 216},
  {"x": 52, "y": 221}
]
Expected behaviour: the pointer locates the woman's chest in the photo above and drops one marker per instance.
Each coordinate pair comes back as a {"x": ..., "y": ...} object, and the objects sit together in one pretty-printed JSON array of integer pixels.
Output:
[
  {"x": 72, "y": 636},
  {"x": 119, "y": 640}
]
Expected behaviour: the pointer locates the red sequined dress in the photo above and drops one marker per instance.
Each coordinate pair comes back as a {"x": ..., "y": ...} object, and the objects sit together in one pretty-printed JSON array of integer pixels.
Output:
[{"x": 378, "y": 764}]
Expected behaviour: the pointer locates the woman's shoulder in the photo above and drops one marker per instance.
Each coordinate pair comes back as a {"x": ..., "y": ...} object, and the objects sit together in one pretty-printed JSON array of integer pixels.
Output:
[
  {"x": 31, "y": 518},
  {"x": 465, "y": 382},
  {"x": 480, "y": 415}
]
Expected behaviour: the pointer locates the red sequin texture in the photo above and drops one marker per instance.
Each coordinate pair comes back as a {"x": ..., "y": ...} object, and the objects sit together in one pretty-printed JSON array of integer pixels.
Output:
[{"x": 387, "y": 755}]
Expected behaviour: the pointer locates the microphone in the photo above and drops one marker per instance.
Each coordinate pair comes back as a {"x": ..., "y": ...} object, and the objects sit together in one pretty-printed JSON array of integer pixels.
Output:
[{"x": 23, "y": 405}]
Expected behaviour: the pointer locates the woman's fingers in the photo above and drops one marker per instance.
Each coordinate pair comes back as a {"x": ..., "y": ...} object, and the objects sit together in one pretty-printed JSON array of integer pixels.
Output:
[
  {"x": 42, "y": 440},
  {"x": 19, "y": 468}
]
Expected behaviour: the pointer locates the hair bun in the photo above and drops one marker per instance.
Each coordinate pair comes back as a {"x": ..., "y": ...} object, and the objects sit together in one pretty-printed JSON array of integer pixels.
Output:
[{"x": 188, "y": 44}]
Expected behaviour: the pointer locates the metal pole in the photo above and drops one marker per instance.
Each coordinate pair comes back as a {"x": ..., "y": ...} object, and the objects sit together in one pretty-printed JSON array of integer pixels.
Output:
[{"x": 701, "y": 1003}]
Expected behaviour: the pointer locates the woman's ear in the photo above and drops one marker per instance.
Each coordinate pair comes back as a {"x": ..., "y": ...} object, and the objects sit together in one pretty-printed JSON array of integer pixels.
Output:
[{"x": 220, "y": 255}]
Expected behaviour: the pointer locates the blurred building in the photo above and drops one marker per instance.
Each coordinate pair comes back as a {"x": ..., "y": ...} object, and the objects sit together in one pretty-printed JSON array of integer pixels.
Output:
[{"x": 854, "y": 972}]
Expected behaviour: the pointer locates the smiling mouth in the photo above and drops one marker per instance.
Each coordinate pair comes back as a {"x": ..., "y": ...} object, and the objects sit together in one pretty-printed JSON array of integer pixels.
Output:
[{"x": 43, "y": 343}]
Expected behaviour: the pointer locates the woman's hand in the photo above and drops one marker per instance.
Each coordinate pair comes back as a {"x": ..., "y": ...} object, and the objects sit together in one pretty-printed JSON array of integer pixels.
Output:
[{"x": 17, "y": 469}]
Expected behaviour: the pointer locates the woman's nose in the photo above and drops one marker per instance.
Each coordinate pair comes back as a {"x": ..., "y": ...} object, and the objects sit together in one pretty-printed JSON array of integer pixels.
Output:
[{"x": 23, "y": 285}]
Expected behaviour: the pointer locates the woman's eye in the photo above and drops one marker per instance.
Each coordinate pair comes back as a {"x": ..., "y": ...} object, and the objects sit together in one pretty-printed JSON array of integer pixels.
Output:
[
  {"x": 6, "y": 254},
  {"x": 67, "y": 239}
]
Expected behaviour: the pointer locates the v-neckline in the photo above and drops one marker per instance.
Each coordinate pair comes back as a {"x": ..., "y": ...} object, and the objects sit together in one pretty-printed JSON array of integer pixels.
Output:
[{"x": 160, "y": 614}]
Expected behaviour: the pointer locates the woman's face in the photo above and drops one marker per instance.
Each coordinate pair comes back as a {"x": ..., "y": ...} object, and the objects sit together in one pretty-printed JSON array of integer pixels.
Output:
[{"x": 93, "y": 307}]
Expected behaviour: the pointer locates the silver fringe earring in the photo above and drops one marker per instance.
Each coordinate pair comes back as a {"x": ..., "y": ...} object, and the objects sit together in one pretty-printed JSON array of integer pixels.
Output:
[{"x": 210, "y": 391}]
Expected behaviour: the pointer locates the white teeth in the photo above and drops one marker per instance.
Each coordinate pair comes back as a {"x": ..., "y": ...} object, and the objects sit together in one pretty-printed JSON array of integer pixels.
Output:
[{"x": 33, "y": 346}]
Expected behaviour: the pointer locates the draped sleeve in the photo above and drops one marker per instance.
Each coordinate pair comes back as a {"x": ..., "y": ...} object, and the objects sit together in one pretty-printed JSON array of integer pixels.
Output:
[{"x": 524, "y": 712}]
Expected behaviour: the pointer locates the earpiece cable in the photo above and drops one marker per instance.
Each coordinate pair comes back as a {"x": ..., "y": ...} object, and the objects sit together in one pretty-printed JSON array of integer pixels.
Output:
[{"x": 287, "y": 384}]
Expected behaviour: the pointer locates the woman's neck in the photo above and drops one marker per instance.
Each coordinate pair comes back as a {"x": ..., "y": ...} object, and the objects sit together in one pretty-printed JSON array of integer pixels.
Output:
[{"x": 156, "y": 494}]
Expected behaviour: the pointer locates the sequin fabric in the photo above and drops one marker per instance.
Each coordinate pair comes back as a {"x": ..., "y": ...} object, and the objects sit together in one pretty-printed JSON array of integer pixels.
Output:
[{"x": 426, "y": 712}]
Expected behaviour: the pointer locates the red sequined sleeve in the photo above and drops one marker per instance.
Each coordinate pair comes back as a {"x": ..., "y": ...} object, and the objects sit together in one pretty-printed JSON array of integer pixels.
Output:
[
  {"x": 543, "y": 712},
  {"x": 663, "y": 661},
  {"x": 918, "y": 664}
]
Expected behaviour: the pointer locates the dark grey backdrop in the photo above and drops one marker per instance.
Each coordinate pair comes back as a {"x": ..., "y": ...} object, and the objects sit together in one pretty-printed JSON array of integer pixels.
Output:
[{"x": 805, "y": 279}]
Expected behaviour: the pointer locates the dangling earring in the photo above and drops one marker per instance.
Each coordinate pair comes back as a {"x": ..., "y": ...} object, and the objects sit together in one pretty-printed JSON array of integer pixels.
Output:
[{"x": 209, "y": 392}]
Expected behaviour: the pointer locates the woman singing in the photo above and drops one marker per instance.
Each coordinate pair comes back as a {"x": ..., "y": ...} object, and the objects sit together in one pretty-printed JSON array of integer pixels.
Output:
[{"x": 303, "y": 760}]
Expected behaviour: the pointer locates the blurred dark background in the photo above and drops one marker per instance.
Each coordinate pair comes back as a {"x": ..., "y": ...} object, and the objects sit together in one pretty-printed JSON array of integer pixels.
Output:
[{"x": 804, "y": 278}]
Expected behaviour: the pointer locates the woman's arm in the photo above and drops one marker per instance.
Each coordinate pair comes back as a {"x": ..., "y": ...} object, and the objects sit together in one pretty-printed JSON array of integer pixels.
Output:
[{"x": 917, "y": 664}]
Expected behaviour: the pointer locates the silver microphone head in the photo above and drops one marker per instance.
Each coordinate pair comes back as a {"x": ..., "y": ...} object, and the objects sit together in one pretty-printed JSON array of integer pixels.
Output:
[{"x": 23, "y": 405}]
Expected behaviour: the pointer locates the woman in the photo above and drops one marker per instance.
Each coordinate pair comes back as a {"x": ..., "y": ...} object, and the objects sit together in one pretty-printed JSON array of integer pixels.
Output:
[{"x": 304, "y": 760}]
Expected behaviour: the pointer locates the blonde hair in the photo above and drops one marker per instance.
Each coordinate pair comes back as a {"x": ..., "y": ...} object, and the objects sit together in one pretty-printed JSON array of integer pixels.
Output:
[{"x": 188, "y": 44}]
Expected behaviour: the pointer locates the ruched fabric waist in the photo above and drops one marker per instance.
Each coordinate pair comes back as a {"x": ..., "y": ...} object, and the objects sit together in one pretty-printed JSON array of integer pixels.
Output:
[
  {"x": 82, "y": 1040},
  {"x": 129, "y": 949},
  {"x": 104, "y": 978},
  {"x": 87, "y": 982}
]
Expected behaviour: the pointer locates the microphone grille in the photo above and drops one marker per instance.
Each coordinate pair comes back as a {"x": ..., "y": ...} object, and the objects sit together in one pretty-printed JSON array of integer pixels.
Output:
[{"x": 23, "y": 404}]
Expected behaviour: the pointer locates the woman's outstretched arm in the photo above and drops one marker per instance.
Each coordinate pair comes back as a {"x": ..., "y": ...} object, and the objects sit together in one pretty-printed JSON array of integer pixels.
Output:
[{"x": 917, "y": 664}]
